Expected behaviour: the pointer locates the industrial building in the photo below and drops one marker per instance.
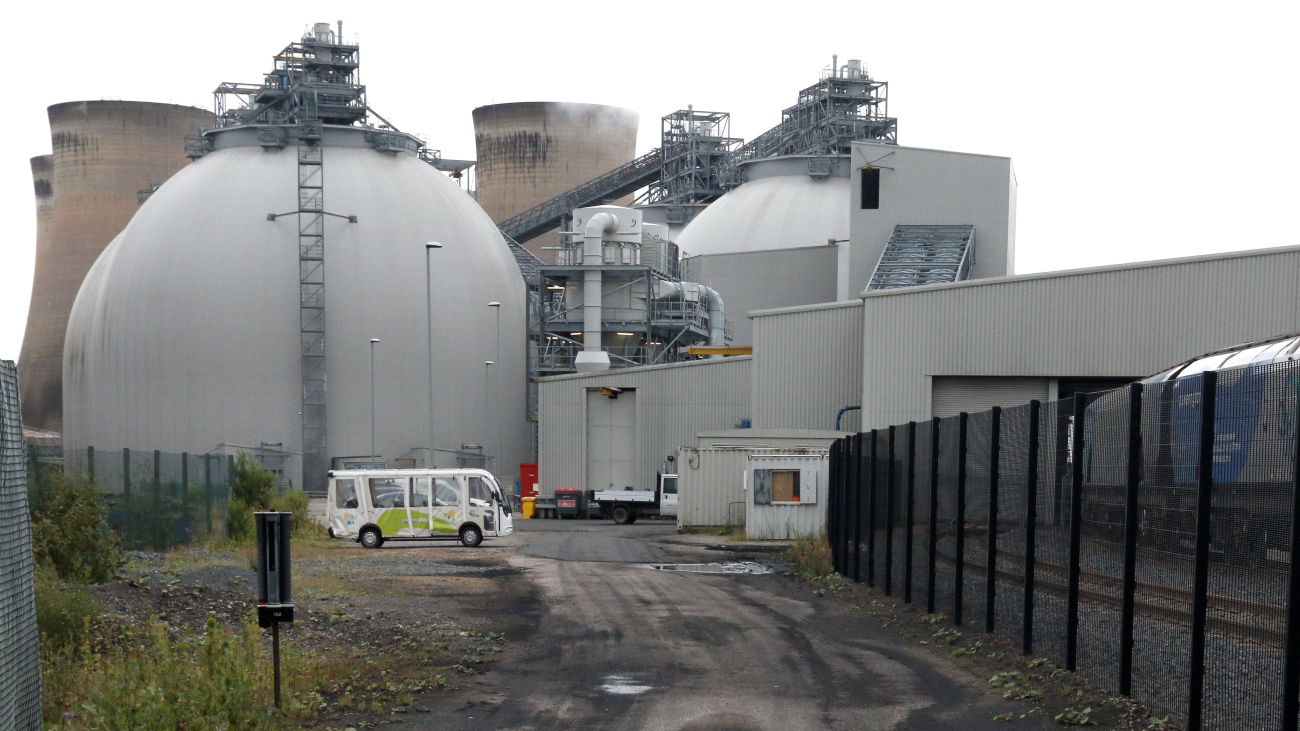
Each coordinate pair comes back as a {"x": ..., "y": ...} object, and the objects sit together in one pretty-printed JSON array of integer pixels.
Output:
[
  {"x": 937, "y": 323},
  {"x": 108, "y": 156},
  {"x": 304, "y": 245}
]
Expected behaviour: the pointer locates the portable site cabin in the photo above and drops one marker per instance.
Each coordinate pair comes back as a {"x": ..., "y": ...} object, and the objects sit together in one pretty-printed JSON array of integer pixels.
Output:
[{"x": 785, "y": 493}]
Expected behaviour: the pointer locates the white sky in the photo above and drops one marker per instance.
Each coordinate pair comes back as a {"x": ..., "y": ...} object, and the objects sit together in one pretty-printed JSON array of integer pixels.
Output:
[{"x": 1137, "y": 130}]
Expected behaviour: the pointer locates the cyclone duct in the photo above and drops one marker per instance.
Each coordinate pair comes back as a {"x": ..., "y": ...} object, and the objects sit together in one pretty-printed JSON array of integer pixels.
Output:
[
  {"x": 105, "y": 153},
  {"x": 530, "y": 152},
  {"x": 186, "y": 332}
]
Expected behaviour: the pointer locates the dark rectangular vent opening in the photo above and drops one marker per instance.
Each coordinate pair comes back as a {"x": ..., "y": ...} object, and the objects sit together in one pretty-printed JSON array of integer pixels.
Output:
[{"x": 870, "y": 189}]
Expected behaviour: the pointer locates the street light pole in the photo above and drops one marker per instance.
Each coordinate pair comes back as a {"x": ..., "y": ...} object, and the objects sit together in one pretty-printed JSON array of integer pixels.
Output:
[
  {"x": 372, "y": 400},
  {"x": 487, "y": 391},
  {"x": 428, "y": 294},
  {"x": 496, "y": 401}
]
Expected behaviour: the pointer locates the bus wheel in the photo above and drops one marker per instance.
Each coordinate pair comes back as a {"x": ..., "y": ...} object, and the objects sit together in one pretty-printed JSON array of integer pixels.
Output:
[
  {"x": 331, "y": 532},
  {"x": 471, "y": 536},
  {"x": 371, "y": 538},
  {"x": 622, "y": 515}
]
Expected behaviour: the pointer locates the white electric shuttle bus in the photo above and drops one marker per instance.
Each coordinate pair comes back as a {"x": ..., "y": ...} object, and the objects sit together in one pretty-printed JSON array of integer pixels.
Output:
[{"x": 373, "y": 506}]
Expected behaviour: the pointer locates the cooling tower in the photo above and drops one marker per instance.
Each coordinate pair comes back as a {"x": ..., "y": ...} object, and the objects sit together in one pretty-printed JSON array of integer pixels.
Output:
[
  {"x": 530, "y": 152},
  {"x": 186, "y": 332},
  {"x": 105, "y": 153}
]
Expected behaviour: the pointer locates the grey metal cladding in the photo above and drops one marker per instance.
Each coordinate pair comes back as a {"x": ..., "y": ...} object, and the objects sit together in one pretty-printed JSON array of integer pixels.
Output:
[
  {"x": 807, "y": 366},
  {"x": 674, "y": 402},
  {"x": 1119, "y": 321}
]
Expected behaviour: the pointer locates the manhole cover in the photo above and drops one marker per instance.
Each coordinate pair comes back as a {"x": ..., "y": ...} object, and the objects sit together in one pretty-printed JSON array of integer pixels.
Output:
[{"x": 731, "y": 567}]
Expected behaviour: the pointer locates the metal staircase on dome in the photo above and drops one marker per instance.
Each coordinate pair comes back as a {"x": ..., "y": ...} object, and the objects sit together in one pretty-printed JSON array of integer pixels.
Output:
[{"x": 917, "y": 255}]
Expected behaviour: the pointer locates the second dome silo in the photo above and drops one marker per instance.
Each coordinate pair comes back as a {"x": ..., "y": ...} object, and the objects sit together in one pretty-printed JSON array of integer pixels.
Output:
[
  {"x": 105, "y": 153},
  {"x": 530, "y": 152}
]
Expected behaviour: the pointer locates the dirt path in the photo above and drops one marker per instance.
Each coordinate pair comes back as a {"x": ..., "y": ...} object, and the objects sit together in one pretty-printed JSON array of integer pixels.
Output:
[{"x": 623, "y": 646}]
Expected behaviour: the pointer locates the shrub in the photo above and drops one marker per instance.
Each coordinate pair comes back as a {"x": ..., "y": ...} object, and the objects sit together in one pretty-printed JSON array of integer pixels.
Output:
[
  {"x": 239, "y": 521},
  {"x": 63, "y": 611},
  {"x": 70, "y": 534},
  {"x": 810, "y": 557},
  {"x": 296, "y": 502},
  {"x": 254, "y": 484}
]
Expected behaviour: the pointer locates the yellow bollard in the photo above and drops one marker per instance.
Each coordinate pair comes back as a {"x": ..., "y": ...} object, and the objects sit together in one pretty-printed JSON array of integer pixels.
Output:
[{"x": 528, "y": 504}]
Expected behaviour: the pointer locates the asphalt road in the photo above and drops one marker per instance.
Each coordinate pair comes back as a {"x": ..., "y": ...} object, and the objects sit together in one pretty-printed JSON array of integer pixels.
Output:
[{"x": 621, "y": 646}]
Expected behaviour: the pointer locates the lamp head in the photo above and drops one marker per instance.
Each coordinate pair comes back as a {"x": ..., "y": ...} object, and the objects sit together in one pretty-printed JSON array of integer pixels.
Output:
[{"x": 433, "y": 245}]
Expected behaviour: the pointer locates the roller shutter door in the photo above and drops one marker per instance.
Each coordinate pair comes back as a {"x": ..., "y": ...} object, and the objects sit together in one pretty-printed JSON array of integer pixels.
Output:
[{"x": 951, "y": 395}]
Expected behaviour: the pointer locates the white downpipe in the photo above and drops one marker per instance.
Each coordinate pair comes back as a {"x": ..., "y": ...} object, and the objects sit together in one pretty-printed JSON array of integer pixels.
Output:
[{"x": 592, "y": 357}]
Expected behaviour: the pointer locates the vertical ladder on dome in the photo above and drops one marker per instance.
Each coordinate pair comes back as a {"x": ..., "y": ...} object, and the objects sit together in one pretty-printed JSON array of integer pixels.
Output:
[{"x": 311, "y": 293}]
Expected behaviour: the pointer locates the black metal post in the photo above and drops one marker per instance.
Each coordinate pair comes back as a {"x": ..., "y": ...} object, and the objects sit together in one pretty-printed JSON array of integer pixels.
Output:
[
  {"x": 911, "y": 510},
  {"x": 1130, "y": 539},
  {"x": 833, "y": 508},
  {"x": 1291, "y": 669},
  {"x": 185, "y": 494},
  {"x": 126, "y": 496},
  {"x": 959, "y": 574},
  {"x": 933, "y": 538},
  {"x": 158, "y": 542},
  {"x": 991, "y": 580},
  {"x": 90, "y": 462},
  {"x": 838, "y": 541},
  {"x": 207, "y": 489},
  {"x": 871, "y": 515},
  {"x": 1031, "y": 526},
  {"x": 856, "y": 489},
  {"x": 1201, "y": 582},
  {"x": 889, "y": 518},
  {"x": 1076, "y": 531},
  {"x": 275, "y": 654}
]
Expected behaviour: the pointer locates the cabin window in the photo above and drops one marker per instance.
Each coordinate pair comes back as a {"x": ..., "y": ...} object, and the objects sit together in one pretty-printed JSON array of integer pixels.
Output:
[
  {"x": 870, "y": 189},
  {"x": 345, "y": 494},
  {"x": 446, "y": 493},
  {"x": 776, "y": 486},
  {"x": 388, "y": 492},
  {"x": 420, "y": 497},
  {"x": 670, "y": 485},
  {"x": 479, "y": 492}
]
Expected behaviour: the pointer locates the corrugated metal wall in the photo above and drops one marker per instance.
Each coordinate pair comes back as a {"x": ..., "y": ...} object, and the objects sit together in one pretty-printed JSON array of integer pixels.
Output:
[
  {"x": 807, "y": 366},
  {"x": 711, "y": 486},
  {"x": 20, "y": 659},
  {"x": 673, "y": 403},
  {"x": 952, "y": 395},
  {"x": 785, "y": 520},
  {"x": 1113, "y": 321}
]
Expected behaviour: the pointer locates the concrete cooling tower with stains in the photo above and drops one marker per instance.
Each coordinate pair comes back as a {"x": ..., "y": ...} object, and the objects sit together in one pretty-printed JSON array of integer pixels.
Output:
[
  {"x": 105, "y": 154},
  {"x": 530, "y": 152}
]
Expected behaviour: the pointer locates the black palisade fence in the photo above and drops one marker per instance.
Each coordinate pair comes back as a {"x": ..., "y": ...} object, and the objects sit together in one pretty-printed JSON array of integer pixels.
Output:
[{"x": 1147, "y": 538}]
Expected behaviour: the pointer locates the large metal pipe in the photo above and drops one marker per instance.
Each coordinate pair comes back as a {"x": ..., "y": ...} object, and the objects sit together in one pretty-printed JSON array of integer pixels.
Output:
[
  {"x": 712, "y": 299},
  {"x": 593, "y": 358}
]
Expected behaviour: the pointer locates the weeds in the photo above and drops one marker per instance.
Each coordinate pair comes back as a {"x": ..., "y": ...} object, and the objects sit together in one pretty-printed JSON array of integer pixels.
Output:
[
  {"x": 810, "y": 558},
  {"x": 70, "y": 533}
]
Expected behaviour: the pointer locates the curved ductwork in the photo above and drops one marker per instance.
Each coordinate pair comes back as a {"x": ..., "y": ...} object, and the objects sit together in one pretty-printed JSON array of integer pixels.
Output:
[{"x": 665, "y": 290}]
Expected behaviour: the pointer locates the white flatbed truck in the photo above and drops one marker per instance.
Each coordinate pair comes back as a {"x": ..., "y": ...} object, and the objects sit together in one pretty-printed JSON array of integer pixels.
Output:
[{"x": 625, "y": 506}]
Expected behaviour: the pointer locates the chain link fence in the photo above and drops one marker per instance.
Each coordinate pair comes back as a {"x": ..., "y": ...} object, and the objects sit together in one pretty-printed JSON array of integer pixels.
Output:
[
  {"x": 1147, "y": 538},
  {"x": 155, "y": 500},
  {"x": 20, "y": 658}
]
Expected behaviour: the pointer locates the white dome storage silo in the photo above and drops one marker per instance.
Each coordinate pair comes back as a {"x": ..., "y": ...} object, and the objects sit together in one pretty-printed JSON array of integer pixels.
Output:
[
  {"x": 185, "y": 334},
  {"x": 786, "y": 202}
]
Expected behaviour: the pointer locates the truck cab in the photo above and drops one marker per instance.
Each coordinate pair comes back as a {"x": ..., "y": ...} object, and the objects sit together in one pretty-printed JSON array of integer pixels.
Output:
[
  {"x": 374, "y": 506},
  {"x": 628, "y": 504}
]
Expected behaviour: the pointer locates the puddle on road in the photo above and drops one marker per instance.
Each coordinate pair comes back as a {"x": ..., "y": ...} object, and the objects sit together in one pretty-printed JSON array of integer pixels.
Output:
[
  {"x": 729, "y": 567},
  {"x": 623, "y": 685}
]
